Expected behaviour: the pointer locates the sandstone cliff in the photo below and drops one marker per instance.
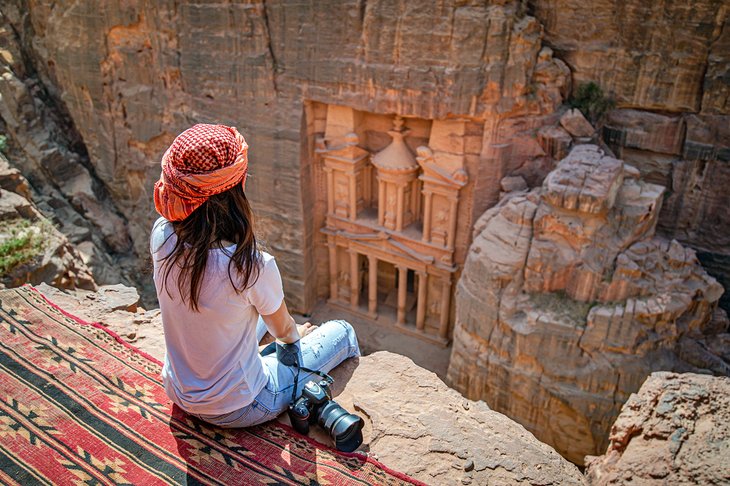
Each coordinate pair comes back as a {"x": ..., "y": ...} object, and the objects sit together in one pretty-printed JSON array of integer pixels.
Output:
[
  {"x": 567, "y": 302},
  {"x": 666, "y": 65},
  {"x": 675, "y": 430}
]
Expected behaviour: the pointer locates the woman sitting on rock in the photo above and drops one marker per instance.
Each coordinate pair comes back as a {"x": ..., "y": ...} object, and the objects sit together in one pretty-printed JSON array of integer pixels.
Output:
[{"x": 219, "y": 292}]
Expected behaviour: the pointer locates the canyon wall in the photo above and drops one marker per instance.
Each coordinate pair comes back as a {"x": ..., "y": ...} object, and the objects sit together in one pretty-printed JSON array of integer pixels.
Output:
[
  {"x": 132, "y": 75},
  {"x": 128, "y": 77},
  {"x": 568, "y": 301}
]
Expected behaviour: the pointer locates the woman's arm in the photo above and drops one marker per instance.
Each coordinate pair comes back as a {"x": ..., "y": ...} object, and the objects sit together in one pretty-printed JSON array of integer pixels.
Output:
[{"x": 282, "y": 325}]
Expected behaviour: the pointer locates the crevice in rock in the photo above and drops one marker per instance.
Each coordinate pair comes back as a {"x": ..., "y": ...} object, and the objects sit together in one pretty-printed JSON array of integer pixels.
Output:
[{"x": 270, "y": 47}]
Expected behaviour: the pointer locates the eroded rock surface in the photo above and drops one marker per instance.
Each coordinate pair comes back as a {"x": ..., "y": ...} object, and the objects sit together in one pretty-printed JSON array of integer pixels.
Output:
[
  {"x": 567, "y": 302},
  {"x": 631, "y": 47},
  {"x": 129, "y": 76},
  {"x": 689, "y": 155},
  {"x": 675, "y": 430}
]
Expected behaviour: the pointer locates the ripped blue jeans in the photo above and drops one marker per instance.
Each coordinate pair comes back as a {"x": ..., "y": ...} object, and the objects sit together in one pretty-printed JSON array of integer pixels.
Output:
[{"x": 324, "y": 348}]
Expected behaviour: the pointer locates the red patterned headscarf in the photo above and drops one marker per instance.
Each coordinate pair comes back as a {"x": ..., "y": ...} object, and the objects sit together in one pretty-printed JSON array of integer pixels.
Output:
[{"x": 202, "y": 161}]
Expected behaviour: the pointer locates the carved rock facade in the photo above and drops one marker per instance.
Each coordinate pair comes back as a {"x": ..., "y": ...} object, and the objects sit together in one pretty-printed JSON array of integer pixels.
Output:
[{"x": 391, "y": 225}]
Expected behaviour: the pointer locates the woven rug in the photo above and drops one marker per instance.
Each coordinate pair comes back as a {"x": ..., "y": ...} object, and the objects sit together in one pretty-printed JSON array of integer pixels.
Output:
[{"x": 80, "y": 406}]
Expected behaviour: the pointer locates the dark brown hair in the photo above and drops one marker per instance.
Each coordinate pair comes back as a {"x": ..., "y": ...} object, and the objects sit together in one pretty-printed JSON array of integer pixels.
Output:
[{"x": 223, "y": 217}]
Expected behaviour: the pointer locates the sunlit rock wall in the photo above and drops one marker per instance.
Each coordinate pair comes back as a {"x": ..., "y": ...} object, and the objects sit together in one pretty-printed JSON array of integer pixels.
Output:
[{"x": 568, "y": 301}]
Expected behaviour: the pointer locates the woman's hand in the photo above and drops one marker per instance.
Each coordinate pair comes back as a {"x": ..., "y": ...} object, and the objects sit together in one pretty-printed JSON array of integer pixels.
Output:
[{"x": 306, "y": 328}]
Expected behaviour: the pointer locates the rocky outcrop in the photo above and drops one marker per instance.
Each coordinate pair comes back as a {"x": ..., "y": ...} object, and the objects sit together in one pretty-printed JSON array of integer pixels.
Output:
[
  {"x": 32, "y": 250},
  {"x": 689, "y": 155},
  {"x": 675, "y": 430},
  {"x": 567, "y": 302},
  {"x": 414, "y": 422},
  {"x": 418, "y": 425},
  {"x": 118, "y": 308}
]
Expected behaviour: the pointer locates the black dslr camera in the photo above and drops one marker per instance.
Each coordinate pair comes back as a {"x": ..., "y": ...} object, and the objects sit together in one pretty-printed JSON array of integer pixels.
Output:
[{"x": 315, "y": 405}]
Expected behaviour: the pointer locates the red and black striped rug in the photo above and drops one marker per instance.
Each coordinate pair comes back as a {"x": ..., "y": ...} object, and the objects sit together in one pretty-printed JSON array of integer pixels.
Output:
[{"x": 80, "y": 406}]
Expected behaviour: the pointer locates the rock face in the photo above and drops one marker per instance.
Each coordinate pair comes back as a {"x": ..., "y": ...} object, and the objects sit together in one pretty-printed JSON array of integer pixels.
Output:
[
  {"x": 632, "y": 47},
  {"x": 675, "y": 430},
  {"x": 32, "y": 250},
  {"x": 567, "y": 302},
  {"x": 414, "y": 422},
  {"x": 131, "y": 76},
  {"x": 45, "y": 146}
]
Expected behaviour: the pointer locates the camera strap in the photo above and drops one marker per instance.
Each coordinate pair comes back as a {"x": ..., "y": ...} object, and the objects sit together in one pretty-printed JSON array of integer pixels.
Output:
[
  {"x": 288, "y": 355},
  {"x": 298, "y": 368}
]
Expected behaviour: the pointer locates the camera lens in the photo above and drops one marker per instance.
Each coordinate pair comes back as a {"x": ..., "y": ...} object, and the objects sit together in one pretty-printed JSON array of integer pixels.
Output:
[{"x": 344, "y": 428}]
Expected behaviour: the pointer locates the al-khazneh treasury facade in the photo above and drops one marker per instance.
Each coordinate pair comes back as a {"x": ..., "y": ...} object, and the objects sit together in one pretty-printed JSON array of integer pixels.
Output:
[{"x": 394, "y": 188}]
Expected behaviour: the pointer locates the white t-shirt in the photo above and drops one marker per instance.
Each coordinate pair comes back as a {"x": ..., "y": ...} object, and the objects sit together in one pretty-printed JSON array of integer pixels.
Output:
[{"x": 212, "y": 365}]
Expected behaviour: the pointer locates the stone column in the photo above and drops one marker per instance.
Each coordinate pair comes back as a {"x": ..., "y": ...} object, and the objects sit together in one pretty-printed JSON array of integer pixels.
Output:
[
  {"x": 381, "y": 203},
  {"x": 421, "y": 304},
  {"x": 353, "y": 197},
  {"x": 452, "y": 222},
  {"x": 334, "y": 293},
  {"x": 399, "y": 208},
  {"x": 445, "y": 308},
  {"x": 354, "y": 279},
  {"x": 367, "y": 185},
  {"x": 402, "y": 289},
  {"x": 427, "y": 216},
  {"x": 330, "y": 191},
  {"x": 372, "y": 285}
]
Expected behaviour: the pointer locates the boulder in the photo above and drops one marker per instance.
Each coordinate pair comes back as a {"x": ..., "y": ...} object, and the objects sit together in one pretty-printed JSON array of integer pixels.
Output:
[
  {"x": 675, "y": 430},
  {"x": 513, "y": 183},
  {"x": 555, "y": 141},
  {"x": 576, "y": 124}
]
